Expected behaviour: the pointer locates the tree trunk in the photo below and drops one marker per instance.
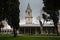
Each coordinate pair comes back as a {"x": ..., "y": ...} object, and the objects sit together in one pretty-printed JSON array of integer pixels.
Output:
[
  {"x": 14, "y": 32},
  {"x": 56, "y": 29},
  {"x": 55, "y": 19},
  {"x": 41, "y": 28}
]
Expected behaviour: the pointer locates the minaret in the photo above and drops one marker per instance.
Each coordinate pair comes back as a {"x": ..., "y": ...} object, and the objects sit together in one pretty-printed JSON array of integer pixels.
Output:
[{"x": 28, "y": 14}]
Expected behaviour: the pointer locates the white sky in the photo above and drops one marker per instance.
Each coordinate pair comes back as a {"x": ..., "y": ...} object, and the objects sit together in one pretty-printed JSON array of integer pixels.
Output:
[{"x": 36, "y": 6}]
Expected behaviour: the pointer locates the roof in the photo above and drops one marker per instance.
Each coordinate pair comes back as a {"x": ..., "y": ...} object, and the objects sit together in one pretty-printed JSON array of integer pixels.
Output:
[
  {"x": 7, "y": 28},
  {"x": 36, "y": 25},
  {"x": 28, "y": 7}
]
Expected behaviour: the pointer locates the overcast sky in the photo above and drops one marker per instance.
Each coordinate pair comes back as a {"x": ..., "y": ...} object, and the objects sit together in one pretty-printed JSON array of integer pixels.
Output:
[{"x": 36, "y": 6}]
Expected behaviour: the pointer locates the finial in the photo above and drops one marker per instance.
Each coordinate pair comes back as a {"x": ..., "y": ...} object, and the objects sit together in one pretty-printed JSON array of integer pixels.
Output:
[{"x": 28, "y": 1}]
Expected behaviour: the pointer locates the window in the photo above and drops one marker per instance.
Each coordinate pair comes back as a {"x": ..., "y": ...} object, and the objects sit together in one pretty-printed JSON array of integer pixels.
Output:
[
  {"x": 29, "y": 13},
  {"x": 28, "y": 19}
]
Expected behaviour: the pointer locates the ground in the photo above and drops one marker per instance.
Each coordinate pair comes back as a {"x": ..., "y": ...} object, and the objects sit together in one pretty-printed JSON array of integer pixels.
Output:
[{"x": 30, "y": 37}]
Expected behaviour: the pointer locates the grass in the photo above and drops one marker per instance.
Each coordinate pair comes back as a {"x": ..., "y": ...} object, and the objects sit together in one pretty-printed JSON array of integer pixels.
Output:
[{"x": 30, "y": 37}]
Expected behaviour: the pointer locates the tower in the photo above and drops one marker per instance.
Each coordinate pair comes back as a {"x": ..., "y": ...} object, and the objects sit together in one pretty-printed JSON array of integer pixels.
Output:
[{"x": 28, "y": 14}]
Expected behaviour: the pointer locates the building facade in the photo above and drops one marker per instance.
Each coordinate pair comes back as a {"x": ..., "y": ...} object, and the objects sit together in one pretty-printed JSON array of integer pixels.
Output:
[
  {"x": 36, "y": 29},
  {"x": 30, "y": 28}
]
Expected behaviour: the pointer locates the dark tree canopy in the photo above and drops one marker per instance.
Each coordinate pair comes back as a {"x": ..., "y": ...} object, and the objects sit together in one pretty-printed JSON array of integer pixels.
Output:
[
  {"x": 52, "y": 7},
  {"x": 52, "y": 4}
]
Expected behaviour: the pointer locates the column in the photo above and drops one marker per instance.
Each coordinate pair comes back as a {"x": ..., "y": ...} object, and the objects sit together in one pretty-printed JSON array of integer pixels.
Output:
[
  {"x": 36, "y": 31},
  {"x": 30, "y": 30},
  {"x": 24, "y": 30}
]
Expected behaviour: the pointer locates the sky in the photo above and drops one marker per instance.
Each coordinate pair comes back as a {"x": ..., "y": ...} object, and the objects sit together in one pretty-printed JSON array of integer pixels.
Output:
[{"x": 36, "y": 6}]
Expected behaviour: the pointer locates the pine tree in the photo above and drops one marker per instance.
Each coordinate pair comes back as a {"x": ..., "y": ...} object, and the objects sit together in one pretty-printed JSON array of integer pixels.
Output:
[
  {"x": 51, "y": 7},
  {"x": 9, "y": 9},
  {"x": 13, "y": 14}
]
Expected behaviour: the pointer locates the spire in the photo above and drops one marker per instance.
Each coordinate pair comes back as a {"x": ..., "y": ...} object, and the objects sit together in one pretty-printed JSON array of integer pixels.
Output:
[{"x": 28, "y": 7}]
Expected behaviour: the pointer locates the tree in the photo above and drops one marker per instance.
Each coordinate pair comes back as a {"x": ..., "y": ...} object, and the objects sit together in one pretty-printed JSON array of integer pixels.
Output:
[
  {"x": 9, "y": 9},
  {"x": 13, "y": 15},
  {"x": 41, "y": 24},
  {"x": 51, "y": 7}
]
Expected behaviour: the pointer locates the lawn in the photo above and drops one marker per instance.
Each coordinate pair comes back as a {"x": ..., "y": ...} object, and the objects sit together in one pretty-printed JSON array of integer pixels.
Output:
[{"x": 30, "y": 37}]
